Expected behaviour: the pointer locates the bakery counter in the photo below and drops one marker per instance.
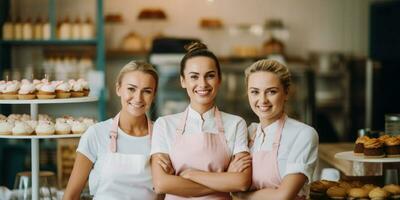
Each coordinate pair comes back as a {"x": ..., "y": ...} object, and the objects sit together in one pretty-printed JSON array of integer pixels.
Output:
[{"x": 326, "y": 154}]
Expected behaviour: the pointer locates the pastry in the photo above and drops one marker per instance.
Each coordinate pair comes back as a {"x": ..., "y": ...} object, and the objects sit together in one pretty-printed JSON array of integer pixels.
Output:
[
  {"x": 32, "y": 123},
  {"x": 11, "y": 90},
  {"x": 25, "y": 117},
  {"x": 62, "y": 128},
  {"x": 357, "y": 193},
  {"x": 78, "y": 127},
  {"x": 63, "y": 90},
  {"x": 336, "y": 192},
  {"x": 45, "y": 128},
  {"x": 85, "y": 85},
  {"x": 46, "y": 91},
  {"x": 393, "y": 190},
  {"x": 373, "y": 148},
  {"x": 22, "y": 128},
  {"x": 14, "y": 117},
  {"x": 318, "y": 188},
  {"x": 3, "y": 86},
  {"x": 359, "y": 146},
  {"x": 2, "y": 117},
  {"x": 27, "y": 91},
  {"x": 88, "y": 121},
  {"x": 152, "y": 13},
  {"x": 378, "y": 194},
  {"x": 211, "y": 23},
  {"x": 77, "y": 89},
  {"x": 369, "y": 187},
  {"x": 44, "y": 117},
  {"x": 345, "y": 185},
  {"x": 6, "y": 127},
  {"x": 382, "y": 138},
  {"x": 392, "y": 147}
]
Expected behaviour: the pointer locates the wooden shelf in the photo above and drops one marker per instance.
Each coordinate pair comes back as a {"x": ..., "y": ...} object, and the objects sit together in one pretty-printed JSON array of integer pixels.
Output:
[
  {"x": 51, "y": 101},
  {"x": 49, "y": 42}
]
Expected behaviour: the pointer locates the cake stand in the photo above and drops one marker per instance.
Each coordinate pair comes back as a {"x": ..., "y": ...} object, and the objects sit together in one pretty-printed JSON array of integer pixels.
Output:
[{"x": 35, "y": 138}]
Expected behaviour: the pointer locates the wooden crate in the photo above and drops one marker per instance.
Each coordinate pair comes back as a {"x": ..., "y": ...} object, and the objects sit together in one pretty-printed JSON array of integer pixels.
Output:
[{"x": 66, "y": 153}]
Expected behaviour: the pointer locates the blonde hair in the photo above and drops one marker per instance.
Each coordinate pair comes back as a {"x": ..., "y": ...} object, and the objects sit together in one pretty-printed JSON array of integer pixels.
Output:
[
  {"x": 267, "y": 65},
  {"x": 137, "y": 66}
]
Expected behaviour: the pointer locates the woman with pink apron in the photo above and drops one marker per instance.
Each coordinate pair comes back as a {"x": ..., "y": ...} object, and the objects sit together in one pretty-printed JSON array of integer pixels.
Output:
[
  {"x": 200, "y": 142},
  {"x": 115, "y": 154},
  {"x": 284, "y": 151}
]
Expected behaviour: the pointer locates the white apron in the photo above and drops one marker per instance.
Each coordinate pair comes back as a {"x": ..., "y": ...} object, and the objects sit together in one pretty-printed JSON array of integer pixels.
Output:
[{"x": 123, "y": 176}]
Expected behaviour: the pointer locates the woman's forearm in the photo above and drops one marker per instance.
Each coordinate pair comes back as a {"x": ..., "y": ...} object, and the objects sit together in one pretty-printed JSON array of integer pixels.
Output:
[
  {"x": 78, "y": 178},
  {"x": 223, "y": 181}
]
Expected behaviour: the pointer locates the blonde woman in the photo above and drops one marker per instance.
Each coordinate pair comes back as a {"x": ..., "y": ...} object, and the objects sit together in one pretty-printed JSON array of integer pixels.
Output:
[
  {"x": 284, "y": 151},
  {"x": 115, "y": 154}
]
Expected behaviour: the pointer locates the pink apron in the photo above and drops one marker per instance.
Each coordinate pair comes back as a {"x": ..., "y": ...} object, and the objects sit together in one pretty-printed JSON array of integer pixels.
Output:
[
  {"x": 202, "y": 151},
  {"x": 123, "y": 176},
  {"x": 265, "y": 163}
]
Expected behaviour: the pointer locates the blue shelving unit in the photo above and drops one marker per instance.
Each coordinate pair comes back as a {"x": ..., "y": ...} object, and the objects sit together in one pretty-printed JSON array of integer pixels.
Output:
[{"x": 98, "y": 42}]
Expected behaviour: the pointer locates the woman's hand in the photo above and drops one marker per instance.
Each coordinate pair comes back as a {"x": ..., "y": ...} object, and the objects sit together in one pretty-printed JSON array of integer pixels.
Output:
[
  {"x": 240, "y": 163},
  {"x": 166, "y": 164},
  {"x": 187, "y": 173}
]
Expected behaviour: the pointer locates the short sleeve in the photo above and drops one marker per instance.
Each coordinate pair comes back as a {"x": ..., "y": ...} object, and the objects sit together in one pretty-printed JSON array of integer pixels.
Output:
[
  {"x": 159, "y": 140},
  {"x": 88, "y": 144},
  {"x": 241, "y": 139},
  {"x": 303, "y": 161}
]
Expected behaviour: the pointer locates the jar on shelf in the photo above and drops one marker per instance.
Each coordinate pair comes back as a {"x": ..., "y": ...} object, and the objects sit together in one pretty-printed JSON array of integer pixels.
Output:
[
  {"x": 46, "y": 30},
  {"x": 87, "y": 29},
  {"x": 8, "y": 31},
  {"x": 38, "y": 29},
  {"x": 27, "y": 30},
  {"x": 65, "y": 29},
  {"x": 76, "y": 29},
  {"x": 392, "y": 124},
  {"x": 18, "y": 29}
]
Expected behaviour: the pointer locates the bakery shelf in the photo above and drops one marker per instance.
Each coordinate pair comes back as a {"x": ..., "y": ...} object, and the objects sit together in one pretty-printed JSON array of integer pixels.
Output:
[
  {"x": 51, "y": 101},
  {"x": 348, "y": 155},
  {"x": 49, "y": 42},
  {"x": 41, "y": 136}
]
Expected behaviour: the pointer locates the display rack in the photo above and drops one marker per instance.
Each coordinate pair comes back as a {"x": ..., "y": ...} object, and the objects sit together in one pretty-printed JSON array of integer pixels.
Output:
[
  {"x": 349, "y": 155},
  {"x": 34, "y": 108}
]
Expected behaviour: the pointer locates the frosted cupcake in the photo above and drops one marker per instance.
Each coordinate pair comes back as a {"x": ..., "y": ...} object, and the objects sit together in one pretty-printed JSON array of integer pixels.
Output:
[
  {"x": 32, "y": 123},
  {"x": 47, "y": 91},
  {"x": 85, "y": 85},
  {"x": 63, "y": 90},
  {"x": 27, "y": 91},
  {"x": 373, "y": 148},
  {"x": 11, "y": 90},
  {"x": 6, "y": 127},
  {"x": 78, "y": 127},
  {"x": 3, "y": 117},
  {"x": 62, "y": 128},
  {"x": 392, "y": 147},
  {"x": 25, "y": 117},
  {"x": 44, "y": 117},
  {"x": 45, "y": 128},
  {"x": 3, "y": 86},
  {"x": 14, "y": 117},
  {"x": 88, "y": 121},
  {"x": 77, "y": 90},
  {"x": 22, "y": 128}
]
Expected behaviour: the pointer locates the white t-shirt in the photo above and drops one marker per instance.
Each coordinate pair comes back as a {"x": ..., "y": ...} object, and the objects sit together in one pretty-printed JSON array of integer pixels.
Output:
[
  {"x": 298, "y": 149},
  {"x": 96, "y": 140},
  {"x": 164, "y": 130}
]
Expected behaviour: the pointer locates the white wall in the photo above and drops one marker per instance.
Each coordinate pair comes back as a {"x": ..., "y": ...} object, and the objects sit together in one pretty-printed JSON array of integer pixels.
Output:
[{"x": 322, "y": 25}]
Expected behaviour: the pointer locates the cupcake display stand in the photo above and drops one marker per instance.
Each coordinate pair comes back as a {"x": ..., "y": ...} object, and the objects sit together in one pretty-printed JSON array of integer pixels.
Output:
[
  {"x": 348, "y": 155},
  {"x": 35, "y": 138}
]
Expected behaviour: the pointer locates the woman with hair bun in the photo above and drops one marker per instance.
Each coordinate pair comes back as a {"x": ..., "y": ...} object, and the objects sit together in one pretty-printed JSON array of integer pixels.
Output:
[{"x": 200, "y": 142}]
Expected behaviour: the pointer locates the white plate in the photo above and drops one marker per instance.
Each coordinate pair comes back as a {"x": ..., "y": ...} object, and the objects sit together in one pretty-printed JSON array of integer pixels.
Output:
[
  {"x": 348, "y": 155},
  {"x": 40, "y": 136}
]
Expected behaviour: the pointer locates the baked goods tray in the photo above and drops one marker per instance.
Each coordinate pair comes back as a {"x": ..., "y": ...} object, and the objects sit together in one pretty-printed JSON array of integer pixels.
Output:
[
  {"x": 348, "y": 155},
  {"x": 40, "y": 136},
  {"x": 50, "y": 101}
]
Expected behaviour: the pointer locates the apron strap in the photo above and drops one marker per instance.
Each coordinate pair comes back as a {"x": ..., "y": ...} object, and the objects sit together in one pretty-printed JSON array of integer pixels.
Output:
[
  {"x": 181, "y": 126},
  {"x": 114, "y": 134},
  {"x": 218, "y": 120},
  {"x": 114, "y": 131}
]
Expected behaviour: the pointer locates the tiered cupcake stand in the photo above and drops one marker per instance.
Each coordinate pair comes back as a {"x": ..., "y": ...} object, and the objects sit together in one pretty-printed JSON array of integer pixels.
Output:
[{"x": 35, "y": 138}]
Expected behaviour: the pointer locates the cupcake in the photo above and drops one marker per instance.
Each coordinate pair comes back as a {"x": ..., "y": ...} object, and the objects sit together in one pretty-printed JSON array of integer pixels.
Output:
[
  {"x": 393, "y": 190},
  {"x": 88, "y": 121},
  {"x": 25, "y": 117},
  {"x": 77, "y": 89},
  {"x": 3, "y": 86},
  {"x": 6, "y": 127},
  {"x": 3, "y": 117},
  {"x": 359, "y": 146},
  {"x": 378, "y": 194},
  {"x": 78, "y": 127},
  {"x": 22, "y": 128},
  {"x": 392, "y": 147},
  {"x": 373, "y": 148},
  {"x": 45, "y": 128},
  {"x": 357, "y": 193},
  {"x": 63, "y": 90},
  {"x": 14, "y": 117},
  {"x": 32, "y": 123},
  {"x": 27, "y": 91},
  {"x": 62, "y": 128},
  {"x": 85, "y": 86},
  {"x": 11, "y": 90},
  {"x": 382, "y": 138},
  {"x": 336, "y": 192},
  {"x": 44, "y": 117},
  {"x": 46, "y": 91}
]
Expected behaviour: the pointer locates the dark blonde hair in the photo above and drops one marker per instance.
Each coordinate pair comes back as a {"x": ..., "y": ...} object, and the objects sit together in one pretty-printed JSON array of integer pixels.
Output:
[
  {"x": 196, "y": 49},
  {"x": 267, "y": 65},
  {"x": 137, "y": 66}
]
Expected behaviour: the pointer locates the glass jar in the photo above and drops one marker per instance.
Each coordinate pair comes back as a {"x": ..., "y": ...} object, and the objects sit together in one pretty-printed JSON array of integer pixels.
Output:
[{"x": 392, "y": 124}]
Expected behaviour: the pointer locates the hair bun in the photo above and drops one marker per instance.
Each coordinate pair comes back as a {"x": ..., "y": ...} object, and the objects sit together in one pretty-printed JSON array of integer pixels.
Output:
[{"x": 195, "y": 46}]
